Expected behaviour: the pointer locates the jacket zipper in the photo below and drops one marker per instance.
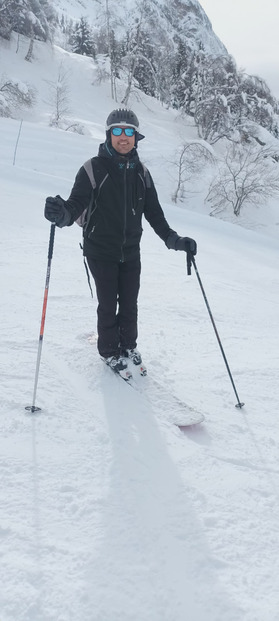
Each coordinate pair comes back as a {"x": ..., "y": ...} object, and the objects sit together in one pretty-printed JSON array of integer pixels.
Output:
[{"x": 125, "y": 211}]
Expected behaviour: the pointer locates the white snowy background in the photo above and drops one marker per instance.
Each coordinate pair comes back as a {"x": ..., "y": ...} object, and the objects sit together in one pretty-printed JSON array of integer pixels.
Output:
[{"x": 108, "y": 512}]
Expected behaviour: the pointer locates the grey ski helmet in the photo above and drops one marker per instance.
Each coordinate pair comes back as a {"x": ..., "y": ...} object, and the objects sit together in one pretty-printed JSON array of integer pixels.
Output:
[{"x": 122, "y": 116}]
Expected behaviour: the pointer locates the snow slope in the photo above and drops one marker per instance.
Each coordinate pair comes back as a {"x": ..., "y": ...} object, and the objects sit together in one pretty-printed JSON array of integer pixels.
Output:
[{"x": 107, "y": 511}]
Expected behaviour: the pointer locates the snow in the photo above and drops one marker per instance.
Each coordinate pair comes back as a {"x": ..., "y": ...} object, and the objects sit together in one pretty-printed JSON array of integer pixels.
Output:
[
  {"x": 189, "y": 14},
  {"x": 108, "y": 511}
]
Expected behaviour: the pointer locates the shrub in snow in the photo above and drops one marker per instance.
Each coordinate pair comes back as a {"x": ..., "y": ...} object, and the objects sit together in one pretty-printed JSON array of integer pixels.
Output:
[
  {"x": 68, "y": 126},
  {"x": 14, "y": 95}
]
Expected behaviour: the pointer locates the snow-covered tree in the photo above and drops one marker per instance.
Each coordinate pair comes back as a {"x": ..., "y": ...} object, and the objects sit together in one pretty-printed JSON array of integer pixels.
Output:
[
  {"x": 14, "y": 95},
  {"x": 82, "y": 40},
  {"x": 249, "y": 174},
  {"x": 27, "y": 17},
  {"x": 137, "y": 61},
  {"x": 149, "y": 52},
  {"x": 180, "y": 70},
  {"x": 214, "y": 92},
  {"x": 191, "y": 159},
  {"x": 12, "y": 16},
  {"x": 260, "y": 106}
]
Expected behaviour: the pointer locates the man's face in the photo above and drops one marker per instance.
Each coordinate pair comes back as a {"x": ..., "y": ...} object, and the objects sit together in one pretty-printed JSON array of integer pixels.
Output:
[{"x": 122, "y": 144}]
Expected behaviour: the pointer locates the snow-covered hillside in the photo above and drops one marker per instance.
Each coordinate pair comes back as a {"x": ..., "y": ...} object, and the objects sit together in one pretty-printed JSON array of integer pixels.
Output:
[
  {"x": 108, "y": 511},
  {"x": 185, "y": 17},
  {"x": 166, "y": 130}
]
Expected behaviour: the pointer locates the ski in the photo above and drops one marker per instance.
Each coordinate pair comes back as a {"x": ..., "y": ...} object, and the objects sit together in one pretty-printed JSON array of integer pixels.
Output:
[
  {"x": 168, "y": 406},
  {"x": 182, "y": 415}
]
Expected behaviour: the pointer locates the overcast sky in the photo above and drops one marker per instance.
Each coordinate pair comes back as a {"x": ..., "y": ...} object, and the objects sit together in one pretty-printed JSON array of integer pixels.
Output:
[{"x": 250, "y": 31}]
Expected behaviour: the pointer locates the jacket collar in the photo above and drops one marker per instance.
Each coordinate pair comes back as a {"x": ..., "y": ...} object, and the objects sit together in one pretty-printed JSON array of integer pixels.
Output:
[{"x": 108, "y": 152}]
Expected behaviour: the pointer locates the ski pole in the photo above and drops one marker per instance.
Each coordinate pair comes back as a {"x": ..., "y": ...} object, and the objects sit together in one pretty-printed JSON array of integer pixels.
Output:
[
  {"x": 191, "y": 260},
  {"x": 32, "y": 408}
]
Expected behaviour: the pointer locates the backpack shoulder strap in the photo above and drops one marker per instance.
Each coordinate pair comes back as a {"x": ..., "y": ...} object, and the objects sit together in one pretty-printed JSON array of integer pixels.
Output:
[
  {"x": 146, "y": 175},
  {"x": 97, "y": 177},
  {"x": 88, "y": 166}
]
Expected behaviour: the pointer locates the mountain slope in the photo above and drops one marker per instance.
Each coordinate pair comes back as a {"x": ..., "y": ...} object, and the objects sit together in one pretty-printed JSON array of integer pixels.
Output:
[
  {"x": 184, "y": 17},
  {"x": 108, "y": 511}
]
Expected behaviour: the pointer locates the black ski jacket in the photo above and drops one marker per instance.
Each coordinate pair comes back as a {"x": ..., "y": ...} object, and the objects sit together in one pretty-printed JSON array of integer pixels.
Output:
[{"x": 120, "y": 199}]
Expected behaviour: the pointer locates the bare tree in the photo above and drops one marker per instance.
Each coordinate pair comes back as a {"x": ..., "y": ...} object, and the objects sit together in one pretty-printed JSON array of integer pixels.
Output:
[
  {"x": 101, "y": 74},
  {"x": 110, "y": 37},
  {"x": 108, "y": 20},
  {"x": 249, "y": 174},
  {"x": 193, "y": 157},
  {"x": 59, "y": 97}
]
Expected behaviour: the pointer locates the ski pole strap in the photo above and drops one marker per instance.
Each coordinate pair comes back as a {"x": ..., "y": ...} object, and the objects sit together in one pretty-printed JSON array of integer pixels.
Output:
[
  {"x": 88, "y": 277},
  {"x": 189, "y": 257},
  {"x": 87, "y": 273}
]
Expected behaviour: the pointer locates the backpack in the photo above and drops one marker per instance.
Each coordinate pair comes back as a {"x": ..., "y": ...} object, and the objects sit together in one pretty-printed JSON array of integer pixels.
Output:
[{"x": 84, "y": 218}]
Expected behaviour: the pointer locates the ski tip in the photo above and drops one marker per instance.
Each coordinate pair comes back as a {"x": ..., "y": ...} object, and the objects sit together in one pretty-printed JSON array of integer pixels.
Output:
[{"x": 190, "y": 422}]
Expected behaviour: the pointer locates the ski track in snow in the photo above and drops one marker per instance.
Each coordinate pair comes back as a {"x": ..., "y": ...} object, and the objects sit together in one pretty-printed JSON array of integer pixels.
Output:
[{"x": 77, "y": 466}]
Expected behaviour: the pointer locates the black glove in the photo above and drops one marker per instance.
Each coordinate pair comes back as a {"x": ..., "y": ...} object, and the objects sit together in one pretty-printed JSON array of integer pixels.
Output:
[
  {"x": 55, "y": 211},
  {"x": 174, "y": 242},
  {"x": 187, "y": 244}
]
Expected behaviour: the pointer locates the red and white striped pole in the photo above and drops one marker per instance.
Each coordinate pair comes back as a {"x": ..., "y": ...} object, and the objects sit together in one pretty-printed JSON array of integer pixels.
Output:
[{"x": 32, "y": 408}]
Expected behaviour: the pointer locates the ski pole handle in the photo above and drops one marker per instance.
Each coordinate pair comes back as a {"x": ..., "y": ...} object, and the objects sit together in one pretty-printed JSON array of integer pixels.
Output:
[
  {"x": 51, "y": 241},
  {"x": 189, "y": 257}
]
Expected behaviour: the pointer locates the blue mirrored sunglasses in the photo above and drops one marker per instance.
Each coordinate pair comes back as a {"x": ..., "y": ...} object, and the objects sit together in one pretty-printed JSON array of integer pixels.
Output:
[{"x": 129, "y": 131}]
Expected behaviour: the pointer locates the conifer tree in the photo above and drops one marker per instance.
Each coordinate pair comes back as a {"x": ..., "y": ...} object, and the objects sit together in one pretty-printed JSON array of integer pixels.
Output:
[
  {"x": 82, "y": 41},
  {"x": 27, "y": 17}
]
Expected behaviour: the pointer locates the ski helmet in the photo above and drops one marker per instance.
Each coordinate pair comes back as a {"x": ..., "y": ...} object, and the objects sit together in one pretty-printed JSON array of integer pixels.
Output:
[{"x": 122, "y": 116}]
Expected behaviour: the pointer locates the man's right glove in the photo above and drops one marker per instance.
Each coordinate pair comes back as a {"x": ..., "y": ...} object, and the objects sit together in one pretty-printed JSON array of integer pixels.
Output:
[
  {"x": 56, "y": 212},
  {"x": 174, "y": 242}
]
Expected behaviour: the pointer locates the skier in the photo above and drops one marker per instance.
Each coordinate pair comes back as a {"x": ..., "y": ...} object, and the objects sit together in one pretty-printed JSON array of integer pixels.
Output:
[{"x": 114, "y": 193}]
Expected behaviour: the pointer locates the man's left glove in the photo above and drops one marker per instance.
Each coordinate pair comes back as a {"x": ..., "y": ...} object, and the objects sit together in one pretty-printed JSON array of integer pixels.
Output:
[
  {"x": 174, "y": 242},
  {"x": 55, "y": 211}
]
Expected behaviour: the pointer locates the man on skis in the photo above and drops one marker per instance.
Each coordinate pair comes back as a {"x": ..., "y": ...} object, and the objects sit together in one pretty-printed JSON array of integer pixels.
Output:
[{"x": 115, "y": 190}]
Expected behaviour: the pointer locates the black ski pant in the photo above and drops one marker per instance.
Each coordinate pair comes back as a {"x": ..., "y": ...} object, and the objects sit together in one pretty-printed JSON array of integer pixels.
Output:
[{"x": 117, "y": 287}]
